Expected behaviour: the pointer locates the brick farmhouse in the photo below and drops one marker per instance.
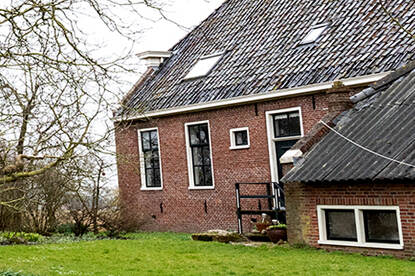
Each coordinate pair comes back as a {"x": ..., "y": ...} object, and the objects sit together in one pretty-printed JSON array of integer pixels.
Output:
[{"x": 232, "y": 97}]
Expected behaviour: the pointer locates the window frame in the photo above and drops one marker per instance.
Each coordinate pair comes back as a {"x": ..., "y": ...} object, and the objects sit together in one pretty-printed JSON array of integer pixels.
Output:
[
  {"x": 218, "y": 55},
  {"x": 190, "y": 157},
  {"x": 142, "y": 161},
  {"x": 323, "y": 27},
  {"x": 271, "y": 139},
  {"x": 233, "y": 145},
  {"x": 360, "y": 226}
]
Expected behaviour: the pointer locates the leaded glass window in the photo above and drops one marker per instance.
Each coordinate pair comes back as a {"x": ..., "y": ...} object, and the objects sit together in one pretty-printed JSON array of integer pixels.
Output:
[
  {"x": 151, "y": 156},
  {"x": 200, "y": 151}
]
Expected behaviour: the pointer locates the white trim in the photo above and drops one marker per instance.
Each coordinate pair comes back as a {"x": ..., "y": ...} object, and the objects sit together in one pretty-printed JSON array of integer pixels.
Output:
[
  {"x": 290, "y": 155},
  {"x": 233, "y": 145},
  {"x": 359, "y": 226},
  {"x": 142, "y": 165},
  {"x": 272, "y": 94},
  {"x": 190, "y": 159},
  {"x": 271, "y": 140}
]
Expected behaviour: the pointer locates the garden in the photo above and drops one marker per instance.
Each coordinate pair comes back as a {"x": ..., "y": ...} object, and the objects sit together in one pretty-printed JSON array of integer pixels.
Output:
[{"x": 178, "y": 254}]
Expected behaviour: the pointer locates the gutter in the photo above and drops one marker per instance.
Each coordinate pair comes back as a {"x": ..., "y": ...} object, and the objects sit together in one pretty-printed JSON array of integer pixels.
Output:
[{"x": 283, "y": 93}]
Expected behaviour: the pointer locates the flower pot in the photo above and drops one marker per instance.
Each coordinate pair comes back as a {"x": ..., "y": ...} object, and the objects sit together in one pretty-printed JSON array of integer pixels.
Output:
[{"x": 275, "y": 235}]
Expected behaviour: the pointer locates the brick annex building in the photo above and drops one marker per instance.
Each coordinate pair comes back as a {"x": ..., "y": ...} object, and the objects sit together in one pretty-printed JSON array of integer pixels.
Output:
[{"x": 227, "y": 101}]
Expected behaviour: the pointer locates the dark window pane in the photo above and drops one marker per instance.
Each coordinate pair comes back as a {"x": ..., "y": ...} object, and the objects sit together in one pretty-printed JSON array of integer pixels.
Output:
[
  {"x": 206, "y": 156},
  {"x": 381, "y": 226},
  {"x": 148, "y": 160},
  {"x": 146, "y": 140},
  {"x": 204, "y": 139},
  {"x": 194, "y": 135},
  {"x": 197, "y": 156},
  {"x": 294, "y": 124},
  {"x": 241, "y": 138},
  {"x": 151, "y": 158},
  {"x": 200, "y": 149},
  {"x": 287, "y": 124},
  {"x": 157, "y": 178},
  {"x": 208, "y": 176},
  {"x": 341, "y": 225},
  {"x": 281, "y": 125},
  {"x": 154, "y": 140},
  {"x": 198, "y": 171},
  {"x": 149, "y": 178},
  {"x": 156, "y": 163}
]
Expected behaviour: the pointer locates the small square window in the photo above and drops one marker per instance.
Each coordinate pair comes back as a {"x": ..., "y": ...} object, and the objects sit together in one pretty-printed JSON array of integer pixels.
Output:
[
  {"x": 314, "y": 34},
  {"x": 239, "y": 138}
]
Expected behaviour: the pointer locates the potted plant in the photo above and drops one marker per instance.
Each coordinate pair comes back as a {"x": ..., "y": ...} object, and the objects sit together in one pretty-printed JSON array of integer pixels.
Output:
[
  {"x": 277, "y": 232},
  {"x": 261, "y": 226}
]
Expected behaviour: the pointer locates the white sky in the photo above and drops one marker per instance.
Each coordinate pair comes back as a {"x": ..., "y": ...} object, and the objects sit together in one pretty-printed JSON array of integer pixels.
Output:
[{"x": 159, "y": 34}]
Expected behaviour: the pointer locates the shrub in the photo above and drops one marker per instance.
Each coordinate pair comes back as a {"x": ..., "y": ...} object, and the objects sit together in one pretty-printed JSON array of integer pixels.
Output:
[
  {"x": 65, "y": 228},
  {"x": 19, "y": 238}
]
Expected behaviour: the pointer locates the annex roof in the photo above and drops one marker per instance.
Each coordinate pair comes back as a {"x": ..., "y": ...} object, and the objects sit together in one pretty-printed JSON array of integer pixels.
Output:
[
  {"x": 383, "y": 123},
  {"x": 262, "y": 48}
]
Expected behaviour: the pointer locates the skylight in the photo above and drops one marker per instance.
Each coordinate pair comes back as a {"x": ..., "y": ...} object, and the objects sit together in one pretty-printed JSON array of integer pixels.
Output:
[
  {"x": 203, "y": 66},
  {"x": 313, "y": 34}
]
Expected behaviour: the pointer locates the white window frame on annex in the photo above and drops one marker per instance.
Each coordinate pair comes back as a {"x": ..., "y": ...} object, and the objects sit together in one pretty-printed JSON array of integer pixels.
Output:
[
  {"x": 190, "y": 159},
  {"x": 361, "y": 239},
  {"x": 271, "y": 140},
  {"x": 142, "y": 165},
  {"x": 233, "y": 145}
]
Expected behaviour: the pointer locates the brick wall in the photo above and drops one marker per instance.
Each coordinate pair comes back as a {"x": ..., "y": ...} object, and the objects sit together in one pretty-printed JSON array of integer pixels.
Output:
[
  {"x": 302, "y": 201},
  {"x": 184, "y": 209}
]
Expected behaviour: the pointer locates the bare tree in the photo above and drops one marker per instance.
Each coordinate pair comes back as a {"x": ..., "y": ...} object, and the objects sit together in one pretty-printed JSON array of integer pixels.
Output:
[{"x": 54, "y": 84}]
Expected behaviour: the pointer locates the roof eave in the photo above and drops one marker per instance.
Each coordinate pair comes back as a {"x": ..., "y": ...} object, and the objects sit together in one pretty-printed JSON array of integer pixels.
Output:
[{"x": 277, "y": 94}]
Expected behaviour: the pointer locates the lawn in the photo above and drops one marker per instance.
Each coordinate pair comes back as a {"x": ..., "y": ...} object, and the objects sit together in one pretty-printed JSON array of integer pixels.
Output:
[{"x": 177, "y": 254}]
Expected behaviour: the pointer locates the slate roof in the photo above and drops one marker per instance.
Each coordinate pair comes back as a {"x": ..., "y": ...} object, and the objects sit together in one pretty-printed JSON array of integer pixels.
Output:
[
  {"x": 261, "y": 40},
  {"x": 383, "y": 123}
]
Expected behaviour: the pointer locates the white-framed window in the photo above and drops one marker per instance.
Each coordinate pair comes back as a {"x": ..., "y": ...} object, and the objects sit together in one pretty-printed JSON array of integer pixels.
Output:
[
  {"x": 284, "y": 129},
  {"x": 199, "y": 155},
  {"x": 239, "y": 138},
  {"x": 150, "y": 159},
  {"x": 203, "y": 66},
  {"x": 314, "y": 33},
  {"x": 360, "y": 226}
]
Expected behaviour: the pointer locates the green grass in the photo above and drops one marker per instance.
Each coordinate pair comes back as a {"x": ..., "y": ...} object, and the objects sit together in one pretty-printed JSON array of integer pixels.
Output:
[{"x": 176, "y": 254}]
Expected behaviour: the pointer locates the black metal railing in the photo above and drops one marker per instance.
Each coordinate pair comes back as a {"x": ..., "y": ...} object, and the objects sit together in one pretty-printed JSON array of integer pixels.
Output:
[{"x": 275, "y": 201}]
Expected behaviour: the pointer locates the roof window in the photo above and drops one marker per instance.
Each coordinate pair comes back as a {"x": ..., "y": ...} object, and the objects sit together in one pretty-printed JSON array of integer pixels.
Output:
[
  {"x": 314, "y": 33},
  {"x": 203, "y": 66}
]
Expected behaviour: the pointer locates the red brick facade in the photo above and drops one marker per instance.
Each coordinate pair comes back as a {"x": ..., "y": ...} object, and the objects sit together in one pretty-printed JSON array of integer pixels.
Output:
[
  {"x": 302, "y": 201},
  {"x": 184, "y": 209}
]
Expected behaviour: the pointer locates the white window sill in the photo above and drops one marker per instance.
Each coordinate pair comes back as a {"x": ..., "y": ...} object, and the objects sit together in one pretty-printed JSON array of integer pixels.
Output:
[
  {"x": 239, "y": 147},
  {"x": 366, "y": 245},
  {"x": 202, "y": 188},
  {"x": 151, "y": 189}
]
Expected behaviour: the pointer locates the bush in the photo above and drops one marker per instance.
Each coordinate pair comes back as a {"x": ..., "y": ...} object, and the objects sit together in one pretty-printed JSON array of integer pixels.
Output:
[
  {"x": 7, "y": 238},
  {"x": 64, "y": 228}
]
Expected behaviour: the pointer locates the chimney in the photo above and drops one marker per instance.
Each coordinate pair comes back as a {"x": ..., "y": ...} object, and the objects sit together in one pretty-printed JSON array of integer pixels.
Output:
[
  {"x": 339, "y": 97},
  {"x": 153, "y": 59}
]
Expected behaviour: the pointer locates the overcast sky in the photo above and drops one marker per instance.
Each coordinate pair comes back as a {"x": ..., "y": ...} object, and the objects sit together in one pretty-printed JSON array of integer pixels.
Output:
[{"x": 162, "y": 35}]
